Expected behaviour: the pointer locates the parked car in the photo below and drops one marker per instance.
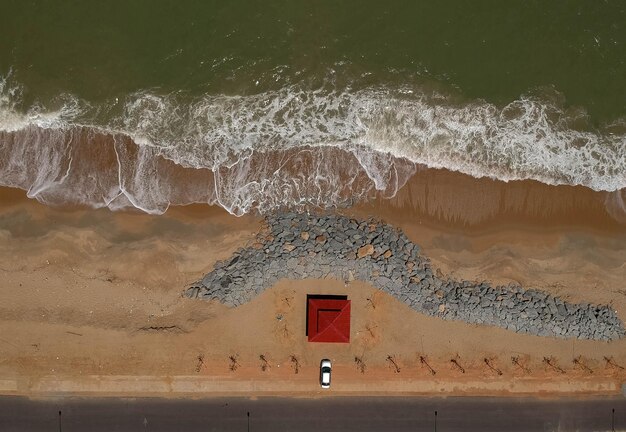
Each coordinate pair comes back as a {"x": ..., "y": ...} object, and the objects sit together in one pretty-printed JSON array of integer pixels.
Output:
[{"x": 325, "y": 368}]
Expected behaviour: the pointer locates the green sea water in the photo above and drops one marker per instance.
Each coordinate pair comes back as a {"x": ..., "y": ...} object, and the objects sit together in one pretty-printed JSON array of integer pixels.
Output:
[
  {"x": 509, "y": 90},
  {"x": 486, "y": 49}
]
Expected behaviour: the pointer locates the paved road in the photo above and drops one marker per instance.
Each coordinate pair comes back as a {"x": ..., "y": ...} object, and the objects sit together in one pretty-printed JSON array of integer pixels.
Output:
[{"x": 301, "y": 415}]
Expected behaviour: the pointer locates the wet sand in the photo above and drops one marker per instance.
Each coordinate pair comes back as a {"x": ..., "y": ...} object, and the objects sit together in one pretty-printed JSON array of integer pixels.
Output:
[{"x": 95, "y": 292}]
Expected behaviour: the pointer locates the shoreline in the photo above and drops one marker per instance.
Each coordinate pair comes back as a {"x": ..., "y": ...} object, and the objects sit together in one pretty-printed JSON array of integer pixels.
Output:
[
  {"x": 93, "y": 168},
  {"x": 446, "y": 200},
  {"x": 455, "y": 201}
]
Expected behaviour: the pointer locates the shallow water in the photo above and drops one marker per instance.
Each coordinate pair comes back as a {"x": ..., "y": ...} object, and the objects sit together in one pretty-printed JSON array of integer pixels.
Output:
[{"x": 294, "y": 104}]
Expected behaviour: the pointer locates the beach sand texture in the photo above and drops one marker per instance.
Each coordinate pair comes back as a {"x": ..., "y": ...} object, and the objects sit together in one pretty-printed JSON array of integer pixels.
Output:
[{"x": 93, "y": 292}]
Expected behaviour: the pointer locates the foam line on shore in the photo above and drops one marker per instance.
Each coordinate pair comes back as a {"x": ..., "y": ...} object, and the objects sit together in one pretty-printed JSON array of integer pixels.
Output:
[
  {"x": 100, "y": 170},
  {"x": 384, "y": 132}
]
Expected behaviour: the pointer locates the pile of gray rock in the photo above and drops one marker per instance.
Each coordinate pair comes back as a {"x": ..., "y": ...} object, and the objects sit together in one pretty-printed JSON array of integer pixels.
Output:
[{"x": 299, "y": 246}]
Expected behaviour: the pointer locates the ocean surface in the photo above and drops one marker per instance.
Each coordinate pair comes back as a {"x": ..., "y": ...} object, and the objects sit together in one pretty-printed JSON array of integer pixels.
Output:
[{"x": 259, "y": 105}]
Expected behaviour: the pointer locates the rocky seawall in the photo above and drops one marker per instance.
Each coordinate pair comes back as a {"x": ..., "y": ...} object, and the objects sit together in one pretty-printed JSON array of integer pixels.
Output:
[{"x": 299, "y": 246}]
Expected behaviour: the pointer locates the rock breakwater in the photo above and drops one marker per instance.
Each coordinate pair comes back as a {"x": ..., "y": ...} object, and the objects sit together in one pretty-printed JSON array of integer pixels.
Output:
[{"x": 299, "y": 246}]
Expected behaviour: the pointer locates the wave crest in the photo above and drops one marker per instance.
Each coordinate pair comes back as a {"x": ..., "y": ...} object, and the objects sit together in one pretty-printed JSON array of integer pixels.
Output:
[
  {"x": 288, "y": 148},
  {"x": 526, "y": 139}
]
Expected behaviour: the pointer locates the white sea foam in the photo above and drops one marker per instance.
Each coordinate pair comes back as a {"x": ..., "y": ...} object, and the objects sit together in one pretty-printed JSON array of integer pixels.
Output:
[
  {"x": 238, "y": 138},
  {"x": 11, "y": 119},
  {"x": 527, "y": 139}
]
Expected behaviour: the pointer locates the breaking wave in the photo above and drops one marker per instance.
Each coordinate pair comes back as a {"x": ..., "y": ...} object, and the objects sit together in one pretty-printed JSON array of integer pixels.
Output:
[{"x": 289, "y": 147}]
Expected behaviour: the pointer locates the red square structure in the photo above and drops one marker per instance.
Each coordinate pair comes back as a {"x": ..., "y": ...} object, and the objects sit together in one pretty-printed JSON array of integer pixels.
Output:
[{"x": 328, "y": 320}]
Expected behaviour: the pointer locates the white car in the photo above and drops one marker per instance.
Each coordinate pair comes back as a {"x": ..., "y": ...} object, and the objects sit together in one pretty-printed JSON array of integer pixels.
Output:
[{"x": 325, "y": 369}]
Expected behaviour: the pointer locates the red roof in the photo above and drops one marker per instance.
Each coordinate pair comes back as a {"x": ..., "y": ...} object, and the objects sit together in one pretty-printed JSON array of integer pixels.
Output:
[{"x": 328, "y": 320}]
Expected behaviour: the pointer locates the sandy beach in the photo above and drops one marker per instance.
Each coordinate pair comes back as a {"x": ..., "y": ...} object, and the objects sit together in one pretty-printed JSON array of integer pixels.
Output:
[{"x": 89, "y": 293}]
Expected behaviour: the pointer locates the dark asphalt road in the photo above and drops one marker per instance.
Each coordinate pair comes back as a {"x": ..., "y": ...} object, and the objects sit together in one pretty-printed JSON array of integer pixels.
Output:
[{"x": 300, "y": 415}]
